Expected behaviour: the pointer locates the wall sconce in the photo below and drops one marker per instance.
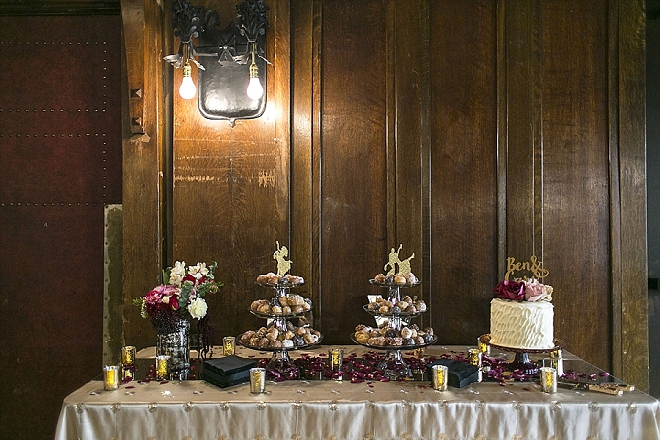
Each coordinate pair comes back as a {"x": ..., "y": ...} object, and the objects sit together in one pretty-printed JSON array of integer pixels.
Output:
[{"x": 231, "y": 62}]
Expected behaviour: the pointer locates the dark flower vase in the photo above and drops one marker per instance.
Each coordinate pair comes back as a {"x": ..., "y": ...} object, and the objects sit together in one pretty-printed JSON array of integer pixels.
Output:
[{"x": 176, "y": 346}]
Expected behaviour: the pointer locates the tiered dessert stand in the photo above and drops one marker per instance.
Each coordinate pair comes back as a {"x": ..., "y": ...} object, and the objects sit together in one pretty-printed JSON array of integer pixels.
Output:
[
  {"x": 394, "y": 365},
  {"x": 281, "y": 360}
]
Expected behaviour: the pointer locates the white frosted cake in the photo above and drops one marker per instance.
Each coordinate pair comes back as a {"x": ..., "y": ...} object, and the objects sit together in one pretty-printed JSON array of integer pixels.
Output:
[{"x": 522, "y": 324}]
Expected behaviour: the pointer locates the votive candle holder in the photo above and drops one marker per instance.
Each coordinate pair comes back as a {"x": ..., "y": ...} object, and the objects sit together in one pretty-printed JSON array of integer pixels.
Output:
[
  {"x": 483, "y": 346},
  {"x": 162, "y": 367},
  {"x": 440, "y": 377},
  {"x": 558, "y": 357},
  {"x": 110, "y": 377},
  {"x": 548, "y": 376},
  {"x": 228, "y": 345},
  {"x": 475, "y": 356},
  {"x": 257, "y": 380},
  {"x": 336, "y": 357},
  {"x": 128, "y": 356}
]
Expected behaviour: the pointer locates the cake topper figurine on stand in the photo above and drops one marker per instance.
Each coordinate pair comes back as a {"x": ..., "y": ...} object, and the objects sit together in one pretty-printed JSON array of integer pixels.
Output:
[
  {"x": 283, "y": 265},
  {"x": 394, "y": 261}
]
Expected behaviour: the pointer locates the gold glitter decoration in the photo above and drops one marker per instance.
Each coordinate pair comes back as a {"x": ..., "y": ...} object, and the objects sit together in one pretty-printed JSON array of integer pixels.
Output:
[
  {"x": 393, "y": 261},
  {"x": 533, "y": 266}
]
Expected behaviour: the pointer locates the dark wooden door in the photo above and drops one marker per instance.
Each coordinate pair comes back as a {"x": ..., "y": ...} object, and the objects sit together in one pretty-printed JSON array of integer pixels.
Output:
[{"x": 60, "y": 165}]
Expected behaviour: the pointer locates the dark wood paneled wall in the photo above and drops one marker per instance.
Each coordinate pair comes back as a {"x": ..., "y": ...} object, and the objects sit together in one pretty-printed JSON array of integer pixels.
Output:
[
  {"x": 468, "y": 131},
  {"x": 231, "y": 185}
]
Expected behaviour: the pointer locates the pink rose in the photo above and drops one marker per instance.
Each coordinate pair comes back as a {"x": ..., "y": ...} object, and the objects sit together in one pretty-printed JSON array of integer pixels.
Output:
[
  {"x": 510, "y": 290},
  {"x": 536, "y": 291}
]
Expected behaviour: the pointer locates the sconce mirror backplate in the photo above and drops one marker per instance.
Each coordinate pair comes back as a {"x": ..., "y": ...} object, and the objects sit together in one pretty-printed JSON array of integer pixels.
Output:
[
  {"x": 223, "y": 83},
  {"x": 224, "y": 57}
]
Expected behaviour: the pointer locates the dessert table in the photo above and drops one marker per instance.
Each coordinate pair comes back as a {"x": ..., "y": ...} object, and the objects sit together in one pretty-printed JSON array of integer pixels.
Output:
[{"x": 335, "y": 409}]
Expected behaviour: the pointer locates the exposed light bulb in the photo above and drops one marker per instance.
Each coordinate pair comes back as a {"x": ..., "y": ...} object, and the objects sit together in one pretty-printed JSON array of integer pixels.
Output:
[
  {"x": 254, "y": 89},
  {"x": 187, "y": 89}
]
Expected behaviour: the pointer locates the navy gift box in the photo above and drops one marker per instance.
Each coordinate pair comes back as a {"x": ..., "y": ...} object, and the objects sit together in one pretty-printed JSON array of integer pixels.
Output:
[{"x": 227, "y": 371}]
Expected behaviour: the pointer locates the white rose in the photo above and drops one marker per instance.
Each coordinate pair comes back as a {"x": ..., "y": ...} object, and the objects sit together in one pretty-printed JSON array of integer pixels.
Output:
[{"x": 197, "y": 308}]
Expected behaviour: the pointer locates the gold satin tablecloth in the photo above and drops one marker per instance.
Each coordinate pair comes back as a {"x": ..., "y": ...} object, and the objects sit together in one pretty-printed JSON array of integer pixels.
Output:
[{"x": 334, "y": 410}]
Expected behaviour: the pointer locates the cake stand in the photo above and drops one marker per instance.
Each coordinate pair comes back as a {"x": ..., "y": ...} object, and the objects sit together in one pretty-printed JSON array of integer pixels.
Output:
[{"x": 522, "y": 362}]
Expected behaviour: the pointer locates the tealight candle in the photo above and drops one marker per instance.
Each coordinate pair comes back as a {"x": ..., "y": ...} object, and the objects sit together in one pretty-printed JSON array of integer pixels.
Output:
[
  {"x": 257, "y": 380},
  {"x": 548, "y": 376},
  {"x": 440, "y": 377},
  {"x": 162, "y": 367},
  {"x": 228, "y": 345},
  {"x": 128, "y": 355},
  {"x": 336, "y": 358},
  {"x": 111, "y": 377}
]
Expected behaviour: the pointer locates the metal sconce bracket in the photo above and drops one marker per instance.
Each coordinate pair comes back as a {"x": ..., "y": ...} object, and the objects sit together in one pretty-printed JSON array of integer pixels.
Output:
[{"x": 228, "y": 58}]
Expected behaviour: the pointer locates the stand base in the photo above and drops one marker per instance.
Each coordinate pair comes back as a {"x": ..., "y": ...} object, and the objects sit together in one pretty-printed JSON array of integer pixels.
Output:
[
  {"x": 523, "y": 363},
  {"x": 281, "y": 364},
  {"x": 394, "y": 366}
]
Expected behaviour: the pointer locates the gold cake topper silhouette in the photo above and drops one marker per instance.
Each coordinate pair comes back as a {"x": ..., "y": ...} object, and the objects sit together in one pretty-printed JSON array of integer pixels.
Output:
[
  {"x": 283, "y": 265},
  {"x": 393, "y": 261},
  {"x": 533, "y": 266}
]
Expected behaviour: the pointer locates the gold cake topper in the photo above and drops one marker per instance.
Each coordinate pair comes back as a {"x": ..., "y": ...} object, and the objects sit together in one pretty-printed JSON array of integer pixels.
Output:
[
  {"x": 533, "y": 266},
  {"x": 283, "y": 265},
  {"x": 393, "y": 261}
]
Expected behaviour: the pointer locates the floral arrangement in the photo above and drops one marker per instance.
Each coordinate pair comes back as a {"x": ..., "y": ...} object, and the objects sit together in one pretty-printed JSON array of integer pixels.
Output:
[
  {"x": 182, "y": 296},
  {"x": 525, "y": 290}
]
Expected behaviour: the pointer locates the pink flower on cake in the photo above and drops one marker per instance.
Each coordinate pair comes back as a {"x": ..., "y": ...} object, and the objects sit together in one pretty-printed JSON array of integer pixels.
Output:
[
  {"x": 536, "y": 291},
  {"x": 510, "y": 290}
]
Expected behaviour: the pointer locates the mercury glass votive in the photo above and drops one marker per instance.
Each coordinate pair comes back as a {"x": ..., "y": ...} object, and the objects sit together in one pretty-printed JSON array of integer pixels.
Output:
[
  {"x": 548, "y": 376},
  {"x": 483, "y": 347},
  {"x": 162, "y": 367},
  {"x": 475, "y": 356},
  {"x": 440, "y": 377},
  {"x": 336, "y": 358},
  {"x": 559, "y": 358},
  {"x": 128, "y": 356},
  {"x": 127, "y": 373},
  {"x": 111, "y": 377},
  {"x": 228, "y": 345},
  {"x": 257, "y": 380}
]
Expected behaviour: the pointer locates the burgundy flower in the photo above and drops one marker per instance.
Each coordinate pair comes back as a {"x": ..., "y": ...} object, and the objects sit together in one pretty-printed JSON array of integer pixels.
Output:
[
  {"x": 190, "y": 278},
  {"x": 510, "y": 290}
]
